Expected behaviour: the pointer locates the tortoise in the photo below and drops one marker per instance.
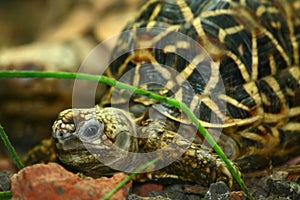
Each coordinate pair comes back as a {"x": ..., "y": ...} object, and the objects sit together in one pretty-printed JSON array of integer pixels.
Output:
[{"x": 254, "y": 54}]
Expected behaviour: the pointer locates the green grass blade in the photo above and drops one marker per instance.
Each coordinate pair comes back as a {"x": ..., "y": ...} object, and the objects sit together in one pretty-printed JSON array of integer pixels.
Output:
[
  {"x": 5, "y": 195},
  {"x": 112, "y": 82},
  {"x": 10, "y": 148}
]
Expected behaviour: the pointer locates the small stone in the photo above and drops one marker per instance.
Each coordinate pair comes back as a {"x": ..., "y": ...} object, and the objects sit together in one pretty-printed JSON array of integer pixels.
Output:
[
  {"x": 218, "y": 190},
  {"x": 52, "y": 181},
  {"x": 5, "y": 180},
  {"x": 236, "y": 195}
]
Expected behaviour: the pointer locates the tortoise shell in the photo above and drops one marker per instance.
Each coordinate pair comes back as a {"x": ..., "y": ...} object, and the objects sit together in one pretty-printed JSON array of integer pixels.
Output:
[
  {"x": 249, "y": 85},
  {"x": 254, "y": 46}
]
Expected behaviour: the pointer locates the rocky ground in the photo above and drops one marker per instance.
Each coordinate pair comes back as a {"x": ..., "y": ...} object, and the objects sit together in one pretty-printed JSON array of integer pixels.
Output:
[{"x": 52, "y": 181}]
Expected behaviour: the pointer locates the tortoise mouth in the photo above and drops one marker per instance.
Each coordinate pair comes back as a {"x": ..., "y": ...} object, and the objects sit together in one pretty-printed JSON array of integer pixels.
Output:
[
  {"x": 82, "y": 160},
  {"x": 89, "y": 158}
]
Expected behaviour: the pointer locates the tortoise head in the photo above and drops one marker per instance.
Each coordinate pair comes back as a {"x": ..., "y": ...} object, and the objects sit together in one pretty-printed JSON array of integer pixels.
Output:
[{"x": 94, "y": 138}]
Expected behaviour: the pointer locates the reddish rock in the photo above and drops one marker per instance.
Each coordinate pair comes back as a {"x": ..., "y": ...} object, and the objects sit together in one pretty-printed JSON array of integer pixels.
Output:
[
  {"x": 145, "y": 188},
  {"x": 52, "y": 181},
  {"x": 237, "y": 195}
]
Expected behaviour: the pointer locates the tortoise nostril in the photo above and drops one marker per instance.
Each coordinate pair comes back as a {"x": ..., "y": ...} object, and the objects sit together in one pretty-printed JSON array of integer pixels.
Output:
[{"x": 60, "y": 134}]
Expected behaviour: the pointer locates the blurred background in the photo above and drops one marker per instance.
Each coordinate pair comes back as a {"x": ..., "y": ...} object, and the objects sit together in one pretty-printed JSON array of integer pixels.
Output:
[{"x": 48, "y": 35}]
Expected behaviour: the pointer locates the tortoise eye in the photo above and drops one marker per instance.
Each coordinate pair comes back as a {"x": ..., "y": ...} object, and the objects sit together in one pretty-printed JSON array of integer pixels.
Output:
[{"x": 90, "y": 130}]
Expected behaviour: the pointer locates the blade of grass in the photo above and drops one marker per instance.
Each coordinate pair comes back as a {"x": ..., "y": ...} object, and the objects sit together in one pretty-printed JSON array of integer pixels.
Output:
[
  {"x": 5, "y": 195},
  {"x": 112, "y": 82},
  {"x": 10, "y": 148}
]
